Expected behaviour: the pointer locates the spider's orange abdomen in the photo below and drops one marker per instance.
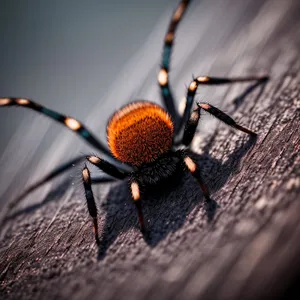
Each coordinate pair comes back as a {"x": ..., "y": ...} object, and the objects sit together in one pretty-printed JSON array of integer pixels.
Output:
[{"x": 139, "y": 133}]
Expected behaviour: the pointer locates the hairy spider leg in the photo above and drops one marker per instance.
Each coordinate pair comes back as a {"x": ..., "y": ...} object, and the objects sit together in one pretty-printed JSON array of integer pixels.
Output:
[
  {"x": 193, "y": 168},
  {"x": 101, "y": 179},
  {"x": 69, "y": 122},
  {"x": 224, "y": 118},
  {"x": 109, "y": 169},
  {"x": 163, "y": 75},
  {"x": 205, "y": 80},
  {"x": 92, "y": 208},
  {"x": 191, "y": 126},
  {"x": 136, "y": 196}
]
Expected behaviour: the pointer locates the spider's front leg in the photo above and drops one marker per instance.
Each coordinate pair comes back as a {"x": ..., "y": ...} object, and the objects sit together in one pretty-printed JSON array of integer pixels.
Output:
[
  {"x": 92, "y": 208},
  {"x": 66, "y": 121},
  {"x": 109, "y": 169}
]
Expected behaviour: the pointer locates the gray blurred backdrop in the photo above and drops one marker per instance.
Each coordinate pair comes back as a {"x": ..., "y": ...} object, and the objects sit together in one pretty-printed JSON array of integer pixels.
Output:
[{"x": 67, "y": 54}]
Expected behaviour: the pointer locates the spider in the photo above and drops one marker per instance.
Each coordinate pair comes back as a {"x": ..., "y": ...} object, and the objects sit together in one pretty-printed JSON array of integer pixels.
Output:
[{"x": 147, "y": 143}]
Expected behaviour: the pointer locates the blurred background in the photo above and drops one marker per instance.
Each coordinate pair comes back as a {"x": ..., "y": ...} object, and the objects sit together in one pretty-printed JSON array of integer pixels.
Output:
[{"x": 68, "y": 54}]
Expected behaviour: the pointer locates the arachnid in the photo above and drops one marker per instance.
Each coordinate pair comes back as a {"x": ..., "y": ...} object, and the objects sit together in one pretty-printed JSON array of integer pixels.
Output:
[{"x": 143, "y": 136}]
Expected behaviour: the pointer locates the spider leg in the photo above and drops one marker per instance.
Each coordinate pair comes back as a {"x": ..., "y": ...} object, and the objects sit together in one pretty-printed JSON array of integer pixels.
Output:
[
  {"x": 192, "y": 123},
  {"x": 192, "y": 167},
  {"x": 64, "y": 167},
  {"x": 136, "y": 196},
  {"x": 224, "y": 117},
  {"x": 107, "y": 167},
  {"x": 205, "y": 80},
  {"x": 163, "y": 75},
  {"x": 69, "y": 122},
  {"x": 191, "y": 126},
  {"x": 101, "y": 179},
  {"x": 87, "y": 183},
  {"x": 92, "y": 208}
]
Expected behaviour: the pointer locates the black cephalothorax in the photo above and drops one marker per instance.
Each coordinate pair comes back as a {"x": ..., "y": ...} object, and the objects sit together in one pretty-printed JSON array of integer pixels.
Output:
[{"x": 161, "y": 171}]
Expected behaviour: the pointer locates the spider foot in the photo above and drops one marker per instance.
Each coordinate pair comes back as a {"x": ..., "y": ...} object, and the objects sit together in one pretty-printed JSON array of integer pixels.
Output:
[{"x": 211, "y": 208}]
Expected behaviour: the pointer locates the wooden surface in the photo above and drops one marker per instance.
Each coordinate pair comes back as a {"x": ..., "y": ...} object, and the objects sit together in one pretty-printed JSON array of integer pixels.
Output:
[{"x": 249, "y": 250}]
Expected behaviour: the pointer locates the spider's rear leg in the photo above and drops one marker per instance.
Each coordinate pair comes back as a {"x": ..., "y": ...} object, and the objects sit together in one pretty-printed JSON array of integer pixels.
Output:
[
  {"x": 109, "y": 169},
  {"x": 136, "y": 196}
]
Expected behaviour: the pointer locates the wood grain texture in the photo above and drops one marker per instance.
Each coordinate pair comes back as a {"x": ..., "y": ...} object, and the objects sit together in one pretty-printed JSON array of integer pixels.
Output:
[{"x": 249, "y": 250}]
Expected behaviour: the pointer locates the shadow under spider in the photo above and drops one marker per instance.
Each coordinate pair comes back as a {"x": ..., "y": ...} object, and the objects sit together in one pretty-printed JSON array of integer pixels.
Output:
[{"x": 166, "y": 210}]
